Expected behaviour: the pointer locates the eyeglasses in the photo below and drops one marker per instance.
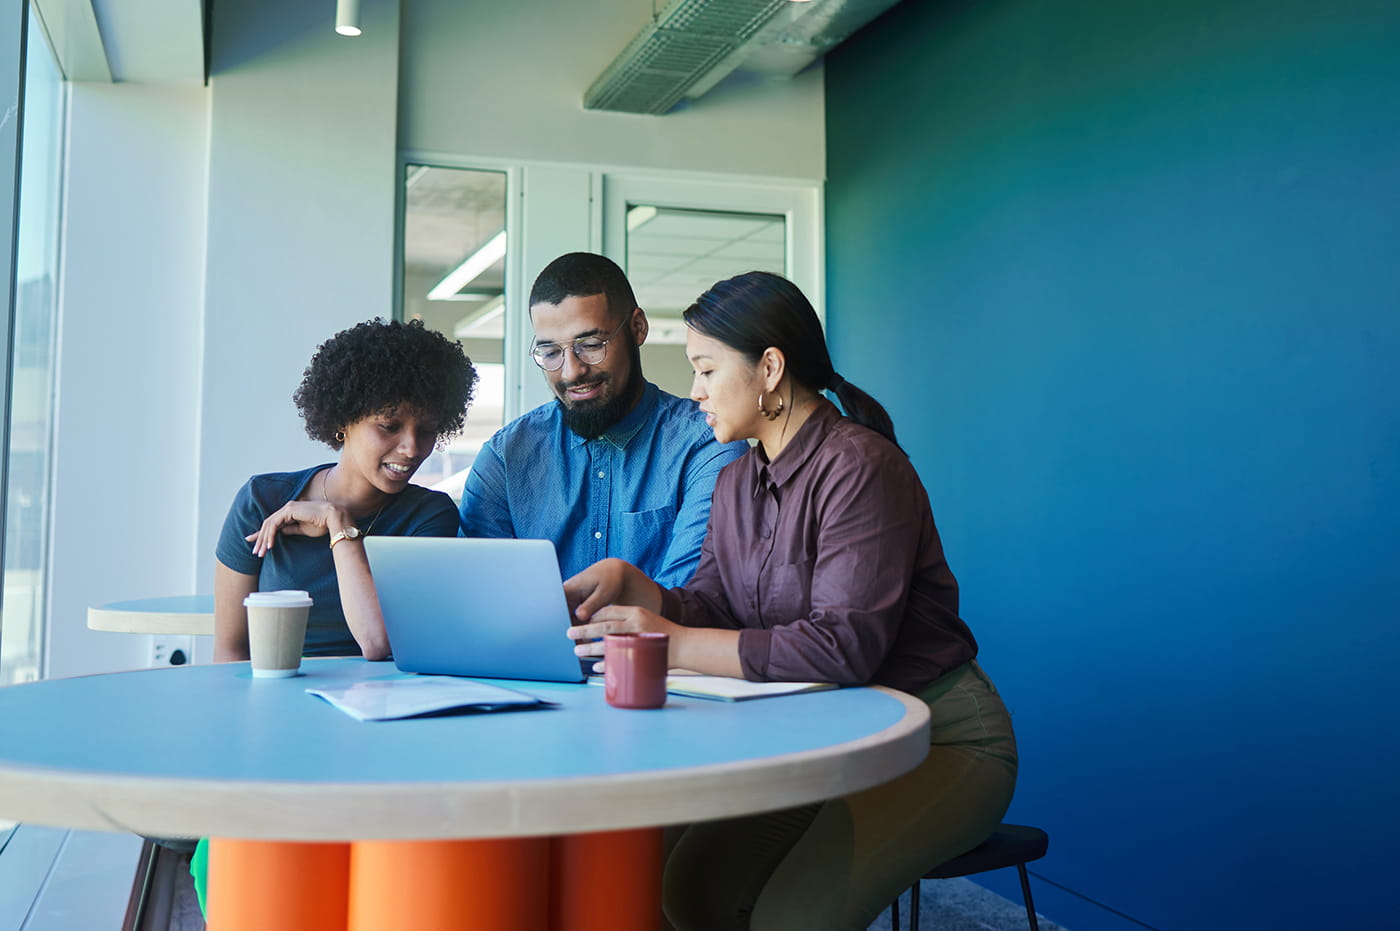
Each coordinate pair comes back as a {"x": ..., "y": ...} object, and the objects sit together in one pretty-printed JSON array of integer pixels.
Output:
[{"x": 588, "y": 350}]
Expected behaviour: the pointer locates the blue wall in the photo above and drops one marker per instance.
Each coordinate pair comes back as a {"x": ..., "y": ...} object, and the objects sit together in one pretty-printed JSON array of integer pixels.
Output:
[{"x": 1127, "y": 275}]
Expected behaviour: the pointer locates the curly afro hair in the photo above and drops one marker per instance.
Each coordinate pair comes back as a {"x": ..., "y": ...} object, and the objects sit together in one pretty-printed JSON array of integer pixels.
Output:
[{"x": 380, "y": 365}]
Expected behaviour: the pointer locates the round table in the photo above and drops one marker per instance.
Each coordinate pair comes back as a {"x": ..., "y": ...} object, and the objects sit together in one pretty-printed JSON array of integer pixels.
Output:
[
  {"x": 211, "y": 751},
  {"x": 175, "y": 614}
]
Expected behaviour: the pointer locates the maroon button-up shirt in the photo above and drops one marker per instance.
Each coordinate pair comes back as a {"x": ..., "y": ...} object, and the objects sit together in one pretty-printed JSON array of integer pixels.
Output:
[{"x": 828, "y": 563}]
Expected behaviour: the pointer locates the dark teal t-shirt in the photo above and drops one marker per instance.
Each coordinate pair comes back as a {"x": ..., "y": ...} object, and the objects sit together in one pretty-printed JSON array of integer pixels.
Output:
[{"x": 305, "y": 563}]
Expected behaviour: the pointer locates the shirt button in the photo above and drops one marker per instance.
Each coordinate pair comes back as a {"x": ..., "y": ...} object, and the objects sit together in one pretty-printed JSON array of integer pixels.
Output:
[
  {"x": 597, "y": 534},
  {"x": 601, "y": 474},
  {"x": 767, "y": 533}
]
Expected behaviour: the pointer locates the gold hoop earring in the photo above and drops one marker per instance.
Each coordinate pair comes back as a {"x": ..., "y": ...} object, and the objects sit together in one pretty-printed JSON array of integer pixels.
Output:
[
  {"x": 767, "y": 414},
  {"x": 340, "y": 436}
]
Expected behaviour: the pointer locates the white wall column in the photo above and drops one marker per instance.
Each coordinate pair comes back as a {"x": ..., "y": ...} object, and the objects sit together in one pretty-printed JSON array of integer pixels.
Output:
[
  {"x": 301, "y": 224},
  {"x": 130, "y": 324}
]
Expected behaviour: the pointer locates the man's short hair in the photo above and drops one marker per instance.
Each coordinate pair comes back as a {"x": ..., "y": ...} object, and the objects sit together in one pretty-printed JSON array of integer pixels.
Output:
[{"x": 583, "y": 274}]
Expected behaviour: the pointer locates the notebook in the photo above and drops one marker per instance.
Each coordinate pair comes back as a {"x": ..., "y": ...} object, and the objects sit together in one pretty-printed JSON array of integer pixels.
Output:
[
  {"x": 726, "y": 688},
  {"x": 461, "y": 606}
]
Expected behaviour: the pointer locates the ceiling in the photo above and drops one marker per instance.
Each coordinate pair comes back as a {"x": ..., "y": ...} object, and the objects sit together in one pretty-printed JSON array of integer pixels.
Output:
[
  {"x": 675, "y": 255},
  {"x": 151, "y": 41},
  {"x": 671, "y": 255},
  {"x": 683, "y": 49}
]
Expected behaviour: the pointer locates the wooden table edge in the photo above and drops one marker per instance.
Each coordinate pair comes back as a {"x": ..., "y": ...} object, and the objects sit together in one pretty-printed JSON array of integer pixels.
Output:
[{"x": 150, "y": 622}]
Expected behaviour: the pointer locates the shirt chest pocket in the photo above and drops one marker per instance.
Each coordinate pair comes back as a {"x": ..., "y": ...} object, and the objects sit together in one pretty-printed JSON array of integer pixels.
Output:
[
  {"x": 646, "y": 535},
  {"x": 785, "y": 592}
]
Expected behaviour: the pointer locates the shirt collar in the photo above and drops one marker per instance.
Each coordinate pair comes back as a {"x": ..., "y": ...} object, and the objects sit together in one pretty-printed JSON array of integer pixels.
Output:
[
  {"x": 621, "y": 433},
  {"x": 805, "y": 442}
]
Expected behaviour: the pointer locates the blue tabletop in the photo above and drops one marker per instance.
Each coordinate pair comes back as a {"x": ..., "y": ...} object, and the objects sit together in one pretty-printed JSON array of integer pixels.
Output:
[
  {"x": 167, "y": 604},
  {"x": 215, "y": 729}
]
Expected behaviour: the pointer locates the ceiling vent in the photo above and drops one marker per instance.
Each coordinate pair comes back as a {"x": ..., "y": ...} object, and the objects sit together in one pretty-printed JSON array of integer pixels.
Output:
[{"x": 691, "y": 45}]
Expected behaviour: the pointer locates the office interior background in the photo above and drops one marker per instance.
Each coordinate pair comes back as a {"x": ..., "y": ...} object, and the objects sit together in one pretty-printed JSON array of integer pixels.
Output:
[{"x": 1123, "y": 272}]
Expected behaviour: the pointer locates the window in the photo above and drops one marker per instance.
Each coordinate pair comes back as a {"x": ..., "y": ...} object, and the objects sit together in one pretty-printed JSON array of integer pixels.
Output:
[
  {"x": 467, "y": 266},
  {"x": 32, "y": 365},
  {"x": 674, "y": 255},
  {"x": 454, "y": 247},
  {"x": 29, "y": 393},
  {"x": 676, "y": 236}
]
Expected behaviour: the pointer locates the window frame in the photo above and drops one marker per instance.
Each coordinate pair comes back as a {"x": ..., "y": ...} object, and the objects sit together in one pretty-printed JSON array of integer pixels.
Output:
[{"x": 583, "y": 207}]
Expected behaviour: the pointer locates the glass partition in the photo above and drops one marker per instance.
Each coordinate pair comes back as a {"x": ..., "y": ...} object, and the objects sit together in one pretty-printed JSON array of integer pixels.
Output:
[
  {"x": 454, "y": 246},
  {"x": 674, "y": 255},
  {"x": 32, "y": 366},
  {"x": 30, "y": 391}
]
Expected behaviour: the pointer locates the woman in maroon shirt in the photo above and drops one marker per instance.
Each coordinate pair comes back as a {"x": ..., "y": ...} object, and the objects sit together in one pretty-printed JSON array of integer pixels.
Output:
[{"x": 822, "y": 562}]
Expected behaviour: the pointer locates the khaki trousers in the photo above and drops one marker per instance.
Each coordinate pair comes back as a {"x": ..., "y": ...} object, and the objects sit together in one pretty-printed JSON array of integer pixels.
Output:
[{"x": 836, "y": 865}]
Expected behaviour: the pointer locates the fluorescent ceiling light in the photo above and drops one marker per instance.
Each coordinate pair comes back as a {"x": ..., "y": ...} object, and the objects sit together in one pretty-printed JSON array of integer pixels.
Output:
[
  {"x": 470, "y": 269},
  {"x": 472, "y": 296},
  {"x": 478, "y": 318},
  {"x": 637, "y": 216}
]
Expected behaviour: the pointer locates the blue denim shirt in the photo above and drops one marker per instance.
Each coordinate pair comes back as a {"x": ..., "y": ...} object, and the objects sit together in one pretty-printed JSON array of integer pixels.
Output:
[{"x": 640, "y": 492}]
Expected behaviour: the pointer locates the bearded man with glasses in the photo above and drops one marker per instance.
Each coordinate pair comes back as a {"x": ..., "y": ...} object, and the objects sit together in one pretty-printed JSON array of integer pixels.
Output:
[{"x": 614, "y": 466}]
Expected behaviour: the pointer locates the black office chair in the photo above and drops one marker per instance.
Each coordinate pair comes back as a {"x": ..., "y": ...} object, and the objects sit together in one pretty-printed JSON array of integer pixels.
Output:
[{"x": 1010, "y": 845}]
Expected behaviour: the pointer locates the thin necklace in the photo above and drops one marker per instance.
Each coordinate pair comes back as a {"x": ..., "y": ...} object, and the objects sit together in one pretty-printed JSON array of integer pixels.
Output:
[{"x": 326, "y": 479}]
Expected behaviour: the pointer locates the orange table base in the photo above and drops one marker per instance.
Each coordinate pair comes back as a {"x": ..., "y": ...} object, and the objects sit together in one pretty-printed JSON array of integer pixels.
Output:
[
  {"x": 607, "y": 881},
  {"x": 277, "y": 886},
  {"x": 451, "y": 884}
]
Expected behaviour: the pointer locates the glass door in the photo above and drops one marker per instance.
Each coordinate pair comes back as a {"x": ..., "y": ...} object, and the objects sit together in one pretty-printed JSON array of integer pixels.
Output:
[
  {"x": 677, "y": 237},
  {"x": 28, "y": 456},
  {"x": 454, "y": 280},
  {"x": 674, "y": 254}
]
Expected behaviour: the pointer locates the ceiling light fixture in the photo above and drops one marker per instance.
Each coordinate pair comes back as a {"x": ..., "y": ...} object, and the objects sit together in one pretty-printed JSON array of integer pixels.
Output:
[
  {"x": 689, "y": 46},
  {"x": 472, "y": 323},
  {"x": 347, "y": 17},
  {"x": 470, "y": 269},
  {"x": 639, "y": 216}
]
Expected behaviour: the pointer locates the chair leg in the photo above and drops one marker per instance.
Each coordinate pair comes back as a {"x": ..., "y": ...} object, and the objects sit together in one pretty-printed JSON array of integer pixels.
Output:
[
  {"x": 914, "y": 906},
  {"x": 1026, "y": 891}
]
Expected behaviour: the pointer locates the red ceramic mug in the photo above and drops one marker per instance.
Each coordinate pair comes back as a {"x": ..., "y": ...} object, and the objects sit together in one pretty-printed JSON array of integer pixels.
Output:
[{"x": 634, "y": 669}]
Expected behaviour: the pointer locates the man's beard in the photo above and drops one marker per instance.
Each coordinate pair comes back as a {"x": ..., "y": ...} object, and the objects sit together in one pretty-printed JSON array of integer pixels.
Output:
[{"x": 591, "y": 419}]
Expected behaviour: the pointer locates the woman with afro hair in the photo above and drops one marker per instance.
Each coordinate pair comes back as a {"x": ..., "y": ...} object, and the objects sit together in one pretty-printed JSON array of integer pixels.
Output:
[{"x": 382, "y": 394}]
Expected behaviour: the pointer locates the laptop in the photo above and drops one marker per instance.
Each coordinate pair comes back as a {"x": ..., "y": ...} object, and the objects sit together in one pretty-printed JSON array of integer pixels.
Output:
[{"x": 461, "y": 606}]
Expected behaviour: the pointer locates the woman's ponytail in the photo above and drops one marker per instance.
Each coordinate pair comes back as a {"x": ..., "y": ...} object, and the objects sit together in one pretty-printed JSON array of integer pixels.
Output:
[
  {"x": 753, "y": 311},
  {"x": 862, "y": 408}
]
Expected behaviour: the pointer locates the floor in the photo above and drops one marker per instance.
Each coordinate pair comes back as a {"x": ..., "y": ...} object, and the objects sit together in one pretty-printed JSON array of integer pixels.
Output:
[
  {"x": 54, "y": 879},
  {"x": 946, "y": 904},
  {"x": 962, "y": 905}
]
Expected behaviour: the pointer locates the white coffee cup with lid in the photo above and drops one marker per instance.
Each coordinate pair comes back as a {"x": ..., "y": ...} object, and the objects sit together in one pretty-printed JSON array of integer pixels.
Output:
[{"x": 276, "y": 632}]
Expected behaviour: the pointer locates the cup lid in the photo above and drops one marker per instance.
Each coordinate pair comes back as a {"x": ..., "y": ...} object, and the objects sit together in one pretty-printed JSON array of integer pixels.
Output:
[{"x": 287, "y": 598}]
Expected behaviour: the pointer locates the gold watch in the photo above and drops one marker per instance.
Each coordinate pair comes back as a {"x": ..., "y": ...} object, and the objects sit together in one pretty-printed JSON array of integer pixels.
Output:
[{"x": 349, "y": 533}]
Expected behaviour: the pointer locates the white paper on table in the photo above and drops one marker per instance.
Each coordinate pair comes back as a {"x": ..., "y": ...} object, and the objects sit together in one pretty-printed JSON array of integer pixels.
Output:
[
  {"x": 412, "y": 695},
  {"x": 728, "y": 689}
]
